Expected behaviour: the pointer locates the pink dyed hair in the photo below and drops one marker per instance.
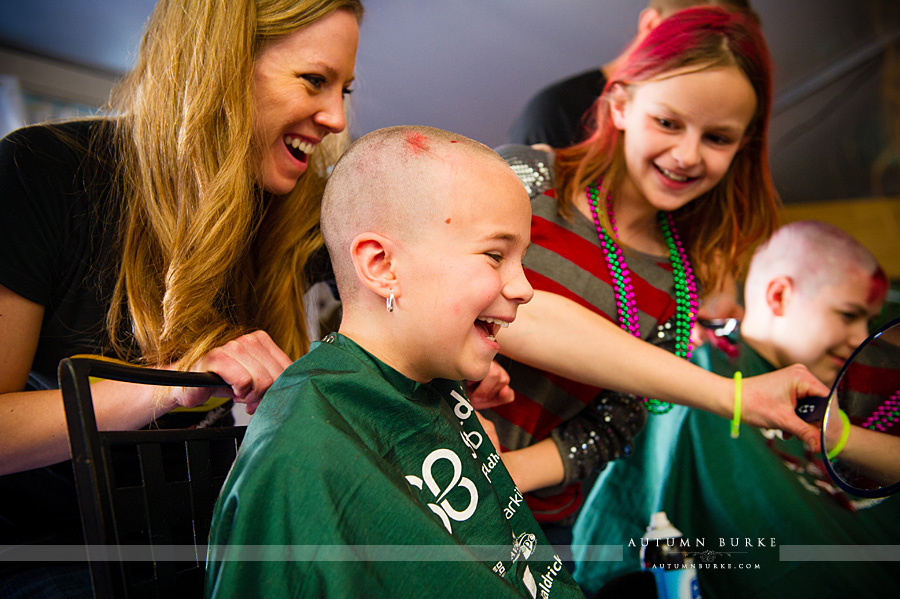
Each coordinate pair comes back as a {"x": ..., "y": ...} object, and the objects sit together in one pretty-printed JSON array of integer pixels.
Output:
[{"x": 721, "y": 227}]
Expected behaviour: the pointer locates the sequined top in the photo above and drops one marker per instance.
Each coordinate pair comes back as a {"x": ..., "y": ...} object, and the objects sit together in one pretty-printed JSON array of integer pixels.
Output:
[{"x": 590, "y": 426}]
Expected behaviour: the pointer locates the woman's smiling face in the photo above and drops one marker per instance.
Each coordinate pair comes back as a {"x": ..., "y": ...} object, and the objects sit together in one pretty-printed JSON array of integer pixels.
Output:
[{"x": 299, "y": 84}]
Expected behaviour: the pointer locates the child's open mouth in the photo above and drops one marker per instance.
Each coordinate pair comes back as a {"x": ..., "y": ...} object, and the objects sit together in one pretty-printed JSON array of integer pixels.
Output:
[
  {"x": 672, "y": 176},
  {"x": 298, "y": 148},
  {"x": 490, "y": 326}
]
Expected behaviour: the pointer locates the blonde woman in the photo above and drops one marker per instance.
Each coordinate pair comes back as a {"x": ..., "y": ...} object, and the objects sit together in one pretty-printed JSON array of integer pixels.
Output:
[{"x": 180, "y": 234}]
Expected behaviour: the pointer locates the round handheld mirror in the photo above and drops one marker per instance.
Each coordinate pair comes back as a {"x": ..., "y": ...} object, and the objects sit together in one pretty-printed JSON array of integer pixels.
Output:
[{"x": 861, "y": 427}]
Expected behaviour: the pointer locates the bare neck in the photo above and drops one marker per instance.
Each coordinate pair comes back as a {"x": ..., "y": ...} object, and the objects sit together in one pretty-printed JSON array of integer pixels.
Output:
[
  {"x": 636, "y": 223},
  {"x": 372, "y": 330},
  {"x": 755, "y": 334}
]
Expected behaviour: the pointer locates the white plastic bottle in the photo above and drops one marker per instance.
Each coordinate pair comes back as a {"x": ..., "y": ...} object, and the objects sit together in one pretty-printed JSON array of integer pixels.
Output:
[{"x": 663, "y": 554}]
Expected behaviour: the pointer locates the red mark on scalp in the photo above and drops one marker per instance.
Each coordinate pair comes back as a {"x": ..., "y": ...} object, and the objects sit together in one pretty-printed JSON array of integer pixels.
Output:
[
  {"x": 453, "y": 141},
  {"x": 878, "y": 286},
  {"x": 417, "y": 142}
]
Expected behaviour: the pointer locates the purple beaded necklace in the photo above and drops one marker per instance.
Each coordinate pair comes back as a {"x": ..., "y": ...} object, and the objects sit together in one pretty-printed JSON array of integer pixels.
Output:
[
  {"x": 685, "y": 285},
  {"x": 887, "y": 414}
]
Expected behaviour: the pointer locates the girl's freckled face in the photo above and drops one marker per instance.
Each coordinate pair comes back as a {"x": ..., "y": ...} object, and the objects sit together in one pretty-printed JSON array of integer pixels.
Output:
[{"x": 681, "y": 133}]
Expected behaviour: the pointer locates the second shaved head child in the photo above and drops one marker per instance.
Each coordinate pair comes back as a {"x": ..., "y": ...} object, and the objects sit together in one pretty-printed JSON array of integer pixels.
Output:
[{"x": 810, "y": 294}]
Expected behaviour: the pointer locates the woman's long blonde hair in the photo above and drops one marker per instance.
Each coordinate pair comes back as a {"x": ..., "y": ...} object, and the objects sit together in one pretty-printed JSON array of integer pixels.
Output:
[
  {"x": 721, "y": 227},
  {"x": 206, "y": 255}
]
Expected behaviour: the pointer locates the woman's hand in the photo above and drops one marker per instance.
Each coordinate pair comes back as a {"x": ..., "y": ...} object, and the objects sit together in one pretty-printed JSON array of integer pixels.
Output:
[
  {"x": 248, "y": 364},
  {"x": 769, "y": 401}
]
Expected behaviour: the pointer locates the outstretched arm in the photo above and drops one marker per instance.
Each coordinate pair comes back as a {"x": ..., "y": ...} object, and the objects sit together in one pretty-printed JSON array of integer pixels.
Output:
[
  {"x": 33, "y": 423},
  {"x": 557, "y": 335},
  {"x": 875, "y": 454}
]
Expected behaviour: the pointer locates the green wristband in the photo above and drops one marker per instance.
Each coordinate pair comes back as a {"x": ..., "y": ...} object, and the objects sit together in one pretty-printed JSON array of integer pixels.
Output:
[
  {"x": 845, "y": 434},
  {"x": 736, "y": 419}
]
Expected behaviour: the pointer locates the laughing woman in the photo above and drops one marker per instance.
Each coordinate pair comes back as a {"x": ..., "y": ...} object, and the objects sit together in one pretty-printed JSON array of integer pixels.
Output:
[{"x": 181, "y": 234}]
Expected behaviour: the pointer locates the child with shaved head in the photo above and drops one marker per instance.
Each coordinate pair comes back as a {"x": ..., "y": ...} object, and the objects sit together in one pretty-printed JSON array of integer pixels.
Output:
[
  {"x": 810, "y": 294},
  {"x": 366, "y": 472}
]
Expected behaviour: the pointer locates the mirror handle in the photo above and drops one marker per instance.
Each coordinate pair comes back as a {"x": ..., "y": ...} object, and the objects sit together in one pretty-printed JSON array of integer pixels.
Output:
[{"x": 812, "y": 408}]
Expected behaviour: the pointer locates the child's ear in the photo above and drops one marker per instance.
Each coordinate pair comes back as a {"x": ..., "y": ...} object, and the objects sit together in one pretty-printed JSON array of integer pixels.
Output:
[
  {"x": 618, "y": 101},
  {"x": 372, "y": 256},
  {"x": 779, "y": 292}
]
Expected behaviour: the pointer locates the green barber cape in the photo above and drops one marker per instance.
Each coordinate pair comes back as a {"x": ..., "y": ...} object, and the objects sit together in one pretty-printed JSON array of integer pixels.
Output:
[
  {"x": 750, "y": 508},
  {"x": 355, "y": 481}
]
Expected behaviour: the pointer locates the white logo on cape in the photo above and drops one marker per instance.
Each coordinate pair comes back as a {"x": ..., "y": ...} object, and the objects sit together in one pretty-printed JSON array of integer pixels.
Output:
[
  {"x": 523, "y": 547},
  {"x": 463, "y": 408},
  {"x": 441, "y": 505}
]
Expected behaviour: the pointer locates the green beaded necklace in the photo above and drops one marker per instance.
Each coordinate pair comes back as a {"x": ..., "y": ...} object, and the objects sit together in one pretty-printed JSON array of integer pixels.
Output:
[{"x": 685, "y": 284}]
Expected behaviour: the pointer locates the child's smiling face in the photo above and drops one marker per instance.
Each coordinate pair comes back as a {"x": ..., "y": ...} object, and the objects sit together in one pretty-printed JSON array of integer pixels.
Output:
[
  {"x": 463, "y": 277},
  {"x": 681, "y": 133},
  {"x": 820, "y": 328}
]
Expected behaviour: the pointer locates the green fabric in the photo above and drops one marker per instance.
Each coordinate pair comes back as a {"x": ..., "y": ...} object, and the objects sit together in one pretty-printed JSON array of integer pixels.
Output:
[
  {"x": 729, "y": 493},
  {"x": 621, "y": 502},
  {"x": 363, "y": 471}
]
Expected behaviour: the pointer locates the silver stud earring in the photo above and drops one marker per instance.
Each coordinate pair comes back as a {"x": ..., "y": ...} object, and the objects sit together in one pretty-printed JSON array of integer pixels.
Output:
[{"x": 390, "y": 302}]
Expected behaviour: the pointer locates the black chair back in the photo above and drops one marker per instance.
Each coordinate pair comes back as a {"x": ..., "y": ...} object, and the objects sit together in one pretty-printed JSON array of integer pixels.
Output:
[{"x": 147, "y": 496}]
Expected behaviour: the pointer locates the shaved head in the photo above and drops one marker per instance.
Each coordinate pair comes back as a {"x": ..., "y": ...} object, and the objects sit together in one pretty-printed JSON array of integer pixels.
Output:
[
  {"x": 810, "y": 294},
  {"x": 812, "y": 254},
  {"x": 395, "y": 182}
]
